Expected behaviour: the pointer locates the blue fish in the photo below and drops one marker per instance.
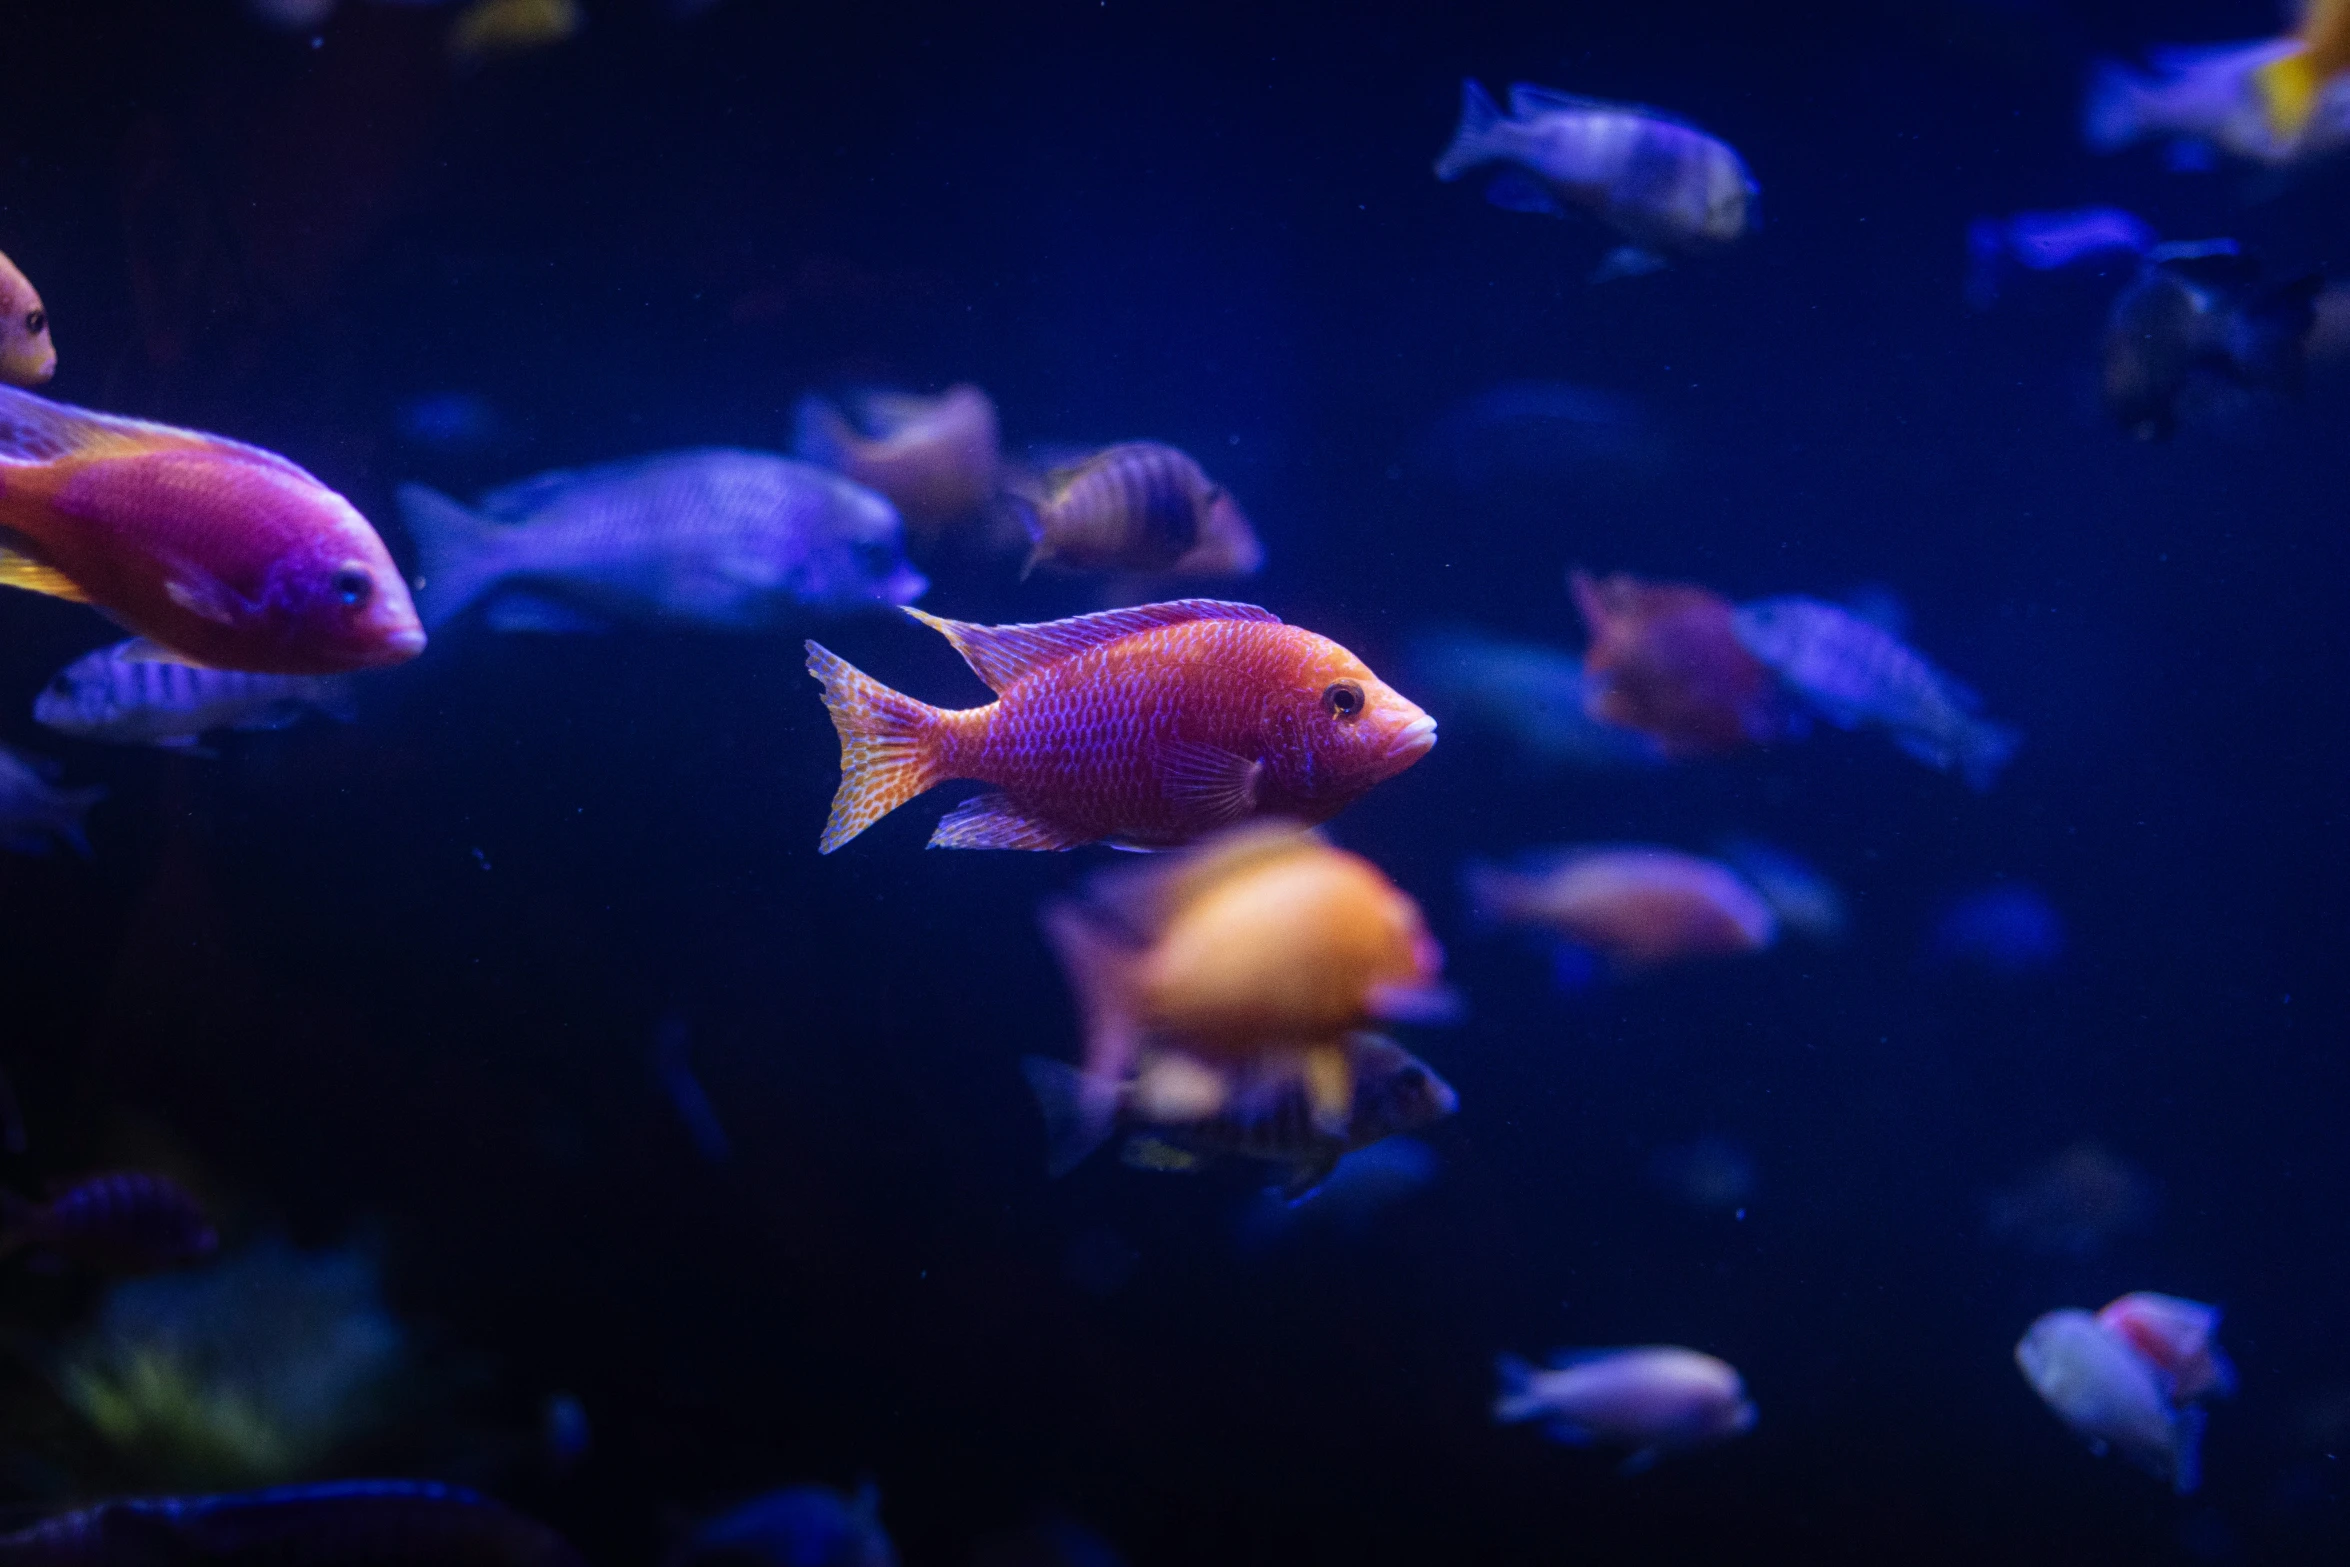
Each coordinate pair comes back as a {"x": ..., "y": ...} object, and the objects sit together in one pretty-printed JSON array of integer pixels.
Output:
[
  {"x": 2048, "y": 242},
  {"x": 800, "y": 1526}
]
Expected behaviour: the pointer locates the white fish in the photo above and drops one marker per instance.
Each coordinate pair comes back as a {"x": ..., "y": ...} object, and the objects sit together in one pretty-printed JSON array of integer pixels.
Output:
[
  {"x": 2209, "y": 97},
  {"x": 732, "y": 540},
  {"x": 1656, "y": 1400},
  {"x": 126, "y": 696},
  {"x": 2111, "y": 1395}
]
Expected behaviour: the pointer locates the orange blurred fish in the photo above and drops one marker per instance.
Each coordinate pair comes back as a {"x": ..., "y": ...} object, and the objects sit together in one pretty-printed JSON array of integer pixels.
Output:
[
  {"x": 1141, "y": 507},
  {"x": 1146, "y": 727},
  {"x": 1665, "y": 659},
  {"x": 1639, "y": 907},
  {"x": 933, "y": 457},
  {"x": 1215, "y": 981},
  {"x": 217, "y": 553},
  {"x": 2289, "y": 87},
  {"x": 27, "y": 355}
]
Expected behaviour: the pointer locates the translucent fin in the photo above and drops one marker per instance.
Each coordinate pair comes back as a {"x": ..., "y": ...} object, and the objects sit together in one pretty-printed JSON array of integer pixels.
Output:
[
  {"x": 22, "y": 571},
  {"x": 992, "y": 821},
  {"x": 204, "y": 598},
  {"x": 1002, "y": 655},
  {"x": 884, "y": 751},
  {"x": 1471, "y": 140},
  {"x": 456, "y": 553},
  {"x": 821, "y": 435},
  {"x": 1216, "y": 786},
  {"x": 36, "y": 430},
  {"x": 1078, "y": 1111},
  {"x": 1517, "y": 1400},
  {"x": 1100, "y": 970}
]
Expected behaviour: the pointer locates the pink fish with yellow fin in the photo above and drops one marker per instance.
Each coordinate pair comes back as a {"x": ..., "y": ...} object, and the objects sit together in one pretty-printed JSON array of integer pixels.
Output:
[
  {"x": 217, "y": 553},
  {"x": 1144, "y": 727}
]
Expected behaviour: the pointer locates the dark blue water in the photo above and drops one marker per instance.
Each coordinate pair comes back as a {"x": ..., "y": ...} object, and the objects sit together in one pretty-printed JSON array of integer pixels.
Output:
[{"x": 402, "y": 980}]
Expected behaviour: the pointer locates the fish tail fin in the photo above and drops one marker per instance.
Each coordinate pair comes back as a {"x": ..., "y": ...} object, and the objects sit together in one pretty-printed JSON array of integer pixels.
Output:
[
  {"x": 2288, "y": 94},
  {"x": 2271, "y": 332},
  {"x": 1517, "y": 1400},
  {"x": 72, "y": 806},
  {"x": 457, "y": 554},
  {"x": 821, "y": 434},
  {"x": 886, "y": 755},
  {"x": 1101, "y": 972},
  {"x": 2113, "y": 108},
  {"x": 2186, "y": 1468},
  {"x": 1472, "y": 139},
  {"x": 1079, "y": 1111}
]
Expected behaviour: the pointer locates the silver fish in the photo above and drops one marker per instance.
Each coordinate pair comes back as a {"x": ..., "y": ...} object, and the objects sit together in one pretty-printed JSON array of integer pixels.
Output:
[
  {"x": 731, "y": 540},
  {"x": 1665, "y": 185},
  {"x": 2111, "y": 1395},
  {"x": 1852, "y": 673},
  {"x": 35, "y": 813},
  {"x": 1267, "y": 1118},
  {"x": 124, "y": 696}
]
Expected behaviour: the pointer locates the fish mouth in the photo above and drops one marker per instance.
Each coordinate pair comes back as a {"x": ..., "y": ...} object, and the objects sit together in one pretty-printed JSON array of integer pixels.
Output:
[
  {"x": 403, "y": 644},
  {"x": 1413, "y": 741}
]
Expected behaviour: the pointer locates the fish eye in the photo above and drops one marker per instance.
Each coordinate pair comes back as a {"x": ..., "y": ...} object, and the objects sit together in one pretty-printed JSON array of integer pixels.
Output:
[
  {"x": 354, "y": 587},
  {"x": 1344, "y": 700},
  {"x": 36, "y": 322}
]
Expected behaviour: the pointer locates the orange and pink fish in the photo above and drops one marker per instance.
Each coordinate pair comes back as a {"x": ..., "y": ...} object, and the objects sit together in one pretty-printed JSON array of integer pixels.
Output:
[
  {"x": 1665, "y": 660},
  {"x": 1636, "y": 906},
  {"x": 217, "y": 553},
  {"x": 1144, "y": 727}
]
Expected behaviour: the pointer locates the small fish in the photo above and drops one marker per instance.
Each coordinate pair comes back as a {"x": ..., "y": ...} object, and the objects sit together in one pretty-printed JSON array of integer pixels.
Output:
[
  {"x": 1657, "y": 1400},
  {"x": 1852, "y": 673},
  {"x": 124, "y": 1223},
  {"x": 28, "y": 354},
  {"x": 124, "y": 696},
  {"x": 490, "y": 28},
  {"x": 2200, "y": 310},
  {"x": 1538, "y": 696},
  {"x": 730, "y": 540},
  {"x": 34, "y": 812},
  {"x": 1139, "y": 507},
  {"x": 220, "y": 553},
  {"x": 2047, "y": 242},
  {"x": 2267, "y": 101},
  {"x": 1147, "y": 726},
  {"x": 933, "y": 458},
  {"x": 1665, "y": 659},
  {"x": 2009, "y": 931},
  {"x": 801, "y": 1526},
  {"x": 1666, "y": 186},
  {"x": 1245, "y": 965},
  {"x": 1636, "y": 906},
  {"x": 341, "y": 1523},
  {"x": 2110, "y": 1394},
  {"x": 1274, "y": 1117},
  {"x": 2293, "y": 87},
  {"x": 2073, "y": 1204},
  {"x": 2176, "y": 1335}
]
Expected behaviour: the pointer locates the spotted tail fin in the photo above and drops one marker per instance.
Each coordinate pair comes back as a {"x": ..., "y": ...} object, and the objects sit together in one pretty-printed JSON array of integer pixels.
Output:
[{"x": 886, "y": 752}]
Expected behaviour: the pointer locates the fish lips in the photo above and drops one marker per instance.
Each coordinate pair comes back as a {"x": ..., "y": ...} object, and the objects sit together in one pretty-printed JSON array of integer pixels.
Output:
[{"x": 1413, "y": 741}]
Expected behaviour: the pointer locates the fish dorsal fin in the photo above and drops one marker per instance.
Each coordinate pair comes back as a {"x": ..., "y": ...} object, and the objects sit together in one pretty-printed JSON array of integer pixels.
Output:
[
  {"x": 22, "y": 571},
  {"x": 1527, "y": 101},
  {"x": 1004, "y": 655},
  {"x": 36, "y": 430}
]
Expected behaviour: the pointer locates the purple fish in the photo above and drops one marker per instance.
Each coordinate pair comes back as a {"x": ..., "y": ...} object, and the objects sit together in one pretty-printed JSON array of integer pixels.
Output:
[
  {"x": 378, "y": 1523},
  {"x": 2047, "y": 242},
  {"x": 126, "y": 1222},
  {"x": 1851, "y": 673}
]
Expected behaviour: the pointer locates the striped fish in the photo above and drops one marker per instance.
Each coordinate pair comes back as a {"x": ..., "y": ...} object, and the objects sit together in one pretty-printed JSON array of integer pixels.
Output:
[
  {"x": 1270, "y": 1118},
  {"x": 1138, "y": 507},
  {"x": 125, "y": 696}
]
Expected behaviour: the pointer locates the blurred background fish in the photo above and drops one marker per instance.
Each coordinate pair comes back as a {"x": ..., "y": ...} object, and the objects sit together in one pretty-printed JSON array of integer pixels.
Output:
[
  {"x": 2177, "y": 1335},
  {"x": 2099, "y": 1385},
  {"x": 122, "y": 696},
  {"x": 28, "y": 353},
  {"x": 1657, "y": 1400},
  {"x": 121, "y": 1223},
  {"x": 1634, "y": 906},
  {"x": 489, "y": 29},
  {"x": 2075, "y": 1204},
  {"x": 1709, "y": 1174},
  {"x": 1535, "y": 696},
  {"x": 800, "y": 1526},
  {"x": 2008, "y": 931},
  {"x": 1666, "y": 186},
  {"x": 2201, "y": 310},
  {"x": 1666, "y": 659},
  {"x": 1852, "y": 673},
  {"x": 2274, "y": 101},
  {"x": 2049, "y": 242},
  {"x": 1806, "y": 902},
  {"x": 716, "y": 539},
  {"x": 34, "y": 813},
  {"x": 1139, "y": 507},
  {"x": 934, "y": 458},
  {"x": 386, "y": 1523},
  {"x": 1362, "y": 1185}
]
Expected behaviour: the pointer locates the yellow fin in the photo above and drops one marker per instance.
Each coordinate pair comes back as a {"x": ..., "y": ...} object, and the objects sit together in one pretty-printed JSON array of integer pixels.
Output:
[
  {"x": 1330, "y": 1087},
  {"x": 22, "y": 571},
  {"x": 2288, "y": 90}
]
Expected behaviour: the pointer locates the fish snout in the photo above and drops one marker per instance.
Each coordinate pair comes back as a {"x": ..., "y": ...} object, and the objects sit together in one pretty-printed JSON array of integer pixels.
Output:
[{"x": 1412, "y": 740}]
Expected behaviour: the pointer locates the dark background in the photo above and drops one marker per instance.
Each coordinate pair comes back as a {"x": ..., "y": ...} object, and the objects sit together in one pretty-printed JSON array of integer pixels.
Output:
[{"x": 403, "y": 977}]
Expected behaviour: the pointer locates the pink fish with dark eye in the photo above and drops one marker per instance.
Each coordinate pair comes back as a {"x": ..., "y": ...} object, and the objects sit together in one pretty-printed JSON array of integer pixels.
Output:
[
  {"x": 2176, "y": 1335},
  {"x": 218, "y": 553}
]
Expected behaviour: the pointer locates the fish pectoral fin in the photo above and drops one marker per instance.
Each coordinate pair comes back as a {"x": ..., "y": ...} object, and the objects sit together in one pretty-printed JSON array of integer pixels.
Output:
[
  {"x": 1215, "y": 785},
  {"x": 1330, "y": 1088},
  {"x": 992, "y": 821},
  {"x": 1519, "y": 193},
  {"x": 202, "y": 597},
  {"x": 18, "y": 570}
]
